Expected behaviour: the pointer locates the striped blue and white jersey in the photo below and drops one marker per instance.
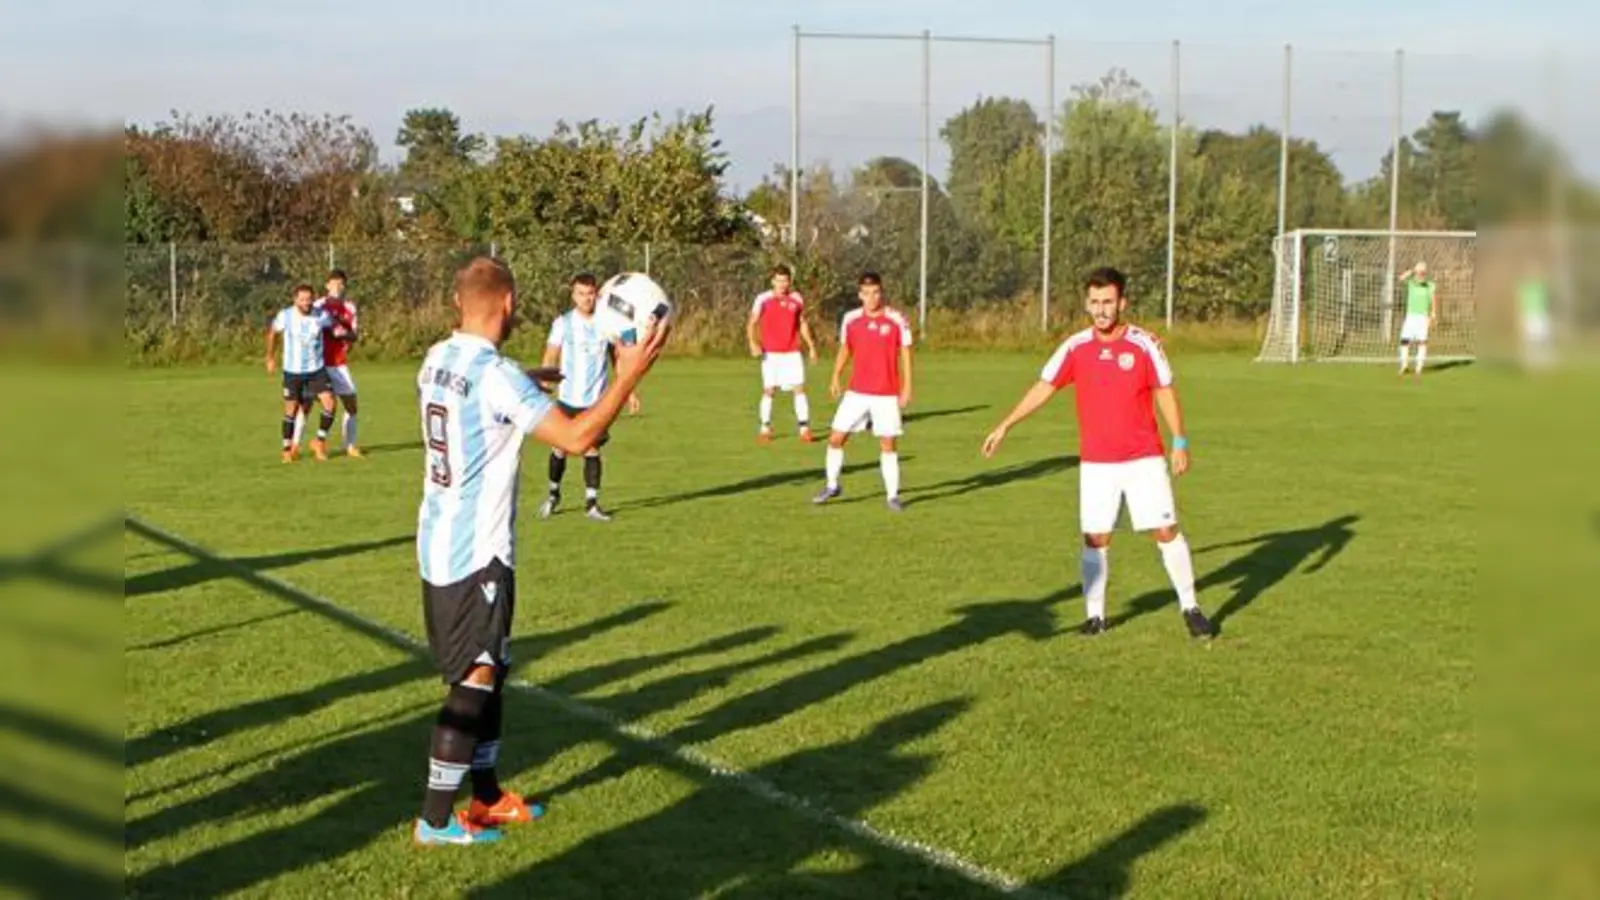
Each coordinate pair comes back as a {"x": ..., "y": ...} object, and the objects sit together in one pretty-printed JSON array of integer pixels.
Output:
[
  {"x": 585, "y": 355},
  {"x": 302, "y": 338},
  {"x": 476, "y": 406}
]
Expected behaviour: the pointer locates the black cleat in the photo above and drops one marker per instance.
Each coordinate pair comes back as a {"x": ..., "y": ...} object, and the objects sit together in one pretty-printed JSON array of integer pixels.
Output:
[
  {"x": 1092, "y": 627},
  {"x": 1199, "y": 625}
]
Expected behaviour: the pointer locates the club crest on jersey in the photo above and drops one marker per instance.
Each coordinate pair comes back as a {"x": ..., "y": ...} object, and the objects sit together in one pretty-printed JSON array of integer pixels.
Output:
[{"x": 1125, "y": 361}]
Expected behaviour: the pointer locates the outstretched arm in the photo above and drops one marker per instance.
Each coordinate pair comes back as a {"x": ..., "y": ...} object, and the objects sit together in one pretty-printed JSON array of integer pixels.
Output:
[{"x": 1036, "y": 397}]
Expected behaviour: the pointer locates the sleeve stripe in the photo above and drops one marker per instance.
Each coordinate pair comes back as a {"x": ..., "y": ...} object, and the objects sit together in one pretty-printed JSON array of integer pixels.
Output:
[{"x": 1148, "y": 342}]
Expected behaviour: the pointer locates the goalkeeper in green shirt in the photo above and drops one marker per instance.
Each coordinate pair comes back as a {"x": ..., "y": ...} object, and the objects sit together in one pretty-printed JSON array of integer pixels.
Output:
[{"x": 1422, "y": 307}]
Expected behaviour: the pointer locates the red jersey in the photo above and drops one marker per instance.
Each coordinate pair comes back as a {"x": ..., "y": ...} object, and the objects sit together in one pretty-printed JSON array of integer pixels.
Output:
[
  {"x": 1115, "y": 378},
  {"x": 336, "y": 351},
  {"x": 875, "y": 343},
  {"x": 780, "y": 321}
]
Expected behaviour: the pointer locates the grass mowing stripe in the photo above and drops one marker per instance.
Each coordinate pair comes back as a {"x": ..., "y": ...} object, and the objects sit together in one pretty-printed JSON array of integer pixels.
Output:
[{"x": 756, "y": 786}]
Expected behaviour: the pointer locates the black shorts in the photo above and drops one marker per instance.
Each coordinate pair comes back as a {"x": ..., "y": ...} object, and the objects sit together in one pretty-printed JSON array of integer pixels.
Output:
[
  {"x": 574, "y": 412},
  {"x": 469, "y": 622},
  {"x": 304, "y": 388}
]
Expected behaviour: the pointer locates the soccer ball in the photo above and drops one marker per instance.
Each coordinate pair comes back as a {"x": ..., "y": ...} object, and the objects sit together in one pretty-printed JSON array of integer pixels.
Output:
[{"x": 629, "y": 306}]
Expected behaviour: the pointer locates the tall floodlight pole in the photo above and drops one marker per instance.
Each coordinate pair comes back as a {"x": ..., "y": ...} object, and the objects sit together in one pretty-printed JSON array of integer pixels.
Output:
[
  {"x": 1283, "y": 139},
  {"x": 1049, "y": 153},
  {"x": 1394, "y": 186},
  {"x": 794, "y": 141},
  {"x": 1172, "y": 188},
  {"x": 927, "y": 140}
]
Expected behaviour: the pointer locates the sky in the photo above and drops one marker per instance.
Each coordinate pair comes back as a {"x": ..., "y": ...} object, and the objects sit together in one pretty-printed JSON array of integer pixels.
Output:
[{"x": 518, "y": 67}]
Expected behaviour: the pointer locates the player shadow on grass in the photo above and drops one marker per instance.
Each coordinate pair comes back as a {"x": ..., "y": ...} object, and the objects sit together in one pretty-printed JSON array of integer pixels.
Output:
[
  {"x": 1276, "y": 556},
  {"x": 758, "y": 483},
  {"x": 32, "y": 869},
  {"x": 208, "y": 727},
  {"x": 994, "y": 478},
  {"x": 395, "y": 447},
  {"x": 200, "y": 571},
  {"x": 374, "y": 776},
  {"x": 924, "y": 415},
  {"x": 975, "y": 624},
  {"x": 722, "y": 835},
  {"x": 50, "y": 563}
]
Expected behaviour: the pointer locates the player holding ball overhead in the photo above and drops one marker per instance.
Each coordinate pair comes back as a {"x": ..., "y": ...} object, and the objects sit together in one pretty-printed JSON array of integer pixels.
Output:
[{"x": 1119, "y": 370}]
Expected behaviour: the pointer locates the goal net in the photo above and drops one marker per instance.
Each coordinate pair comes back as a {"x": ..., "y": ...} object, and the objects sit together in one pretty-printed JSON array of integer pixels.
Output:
[{"x": 1337, "y": 295}]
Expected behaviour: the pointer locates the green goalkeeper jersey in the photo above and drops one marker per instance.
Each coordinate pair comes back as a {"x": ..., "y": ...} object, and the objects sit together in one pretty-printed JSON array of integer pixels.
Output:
[
  {"x": 1533, "y": 298},
  {"x": 1419, "y": 296}
]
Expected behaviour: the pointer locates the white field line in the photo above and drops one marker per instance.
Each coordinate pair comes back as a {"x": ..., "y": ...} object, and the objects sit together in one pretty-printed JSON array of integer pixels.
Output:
[{"x": 688, "y": 756}]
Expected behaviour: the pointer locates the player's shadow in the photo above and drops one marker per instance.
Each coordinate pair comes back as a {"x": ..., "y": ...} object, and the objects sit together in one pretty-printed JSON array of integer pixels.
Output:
[
  {"x": 208, "y": 727},
  {"x": 200, "y": 571},
  {"x": 395, "y": 447},
  {"x": 214, "y": 630},
  {"x": 975, "y": 624},
  {"x": 29, "y": 868},
  {"x": 722, "y": 836},
  {"x": 1274, "y": 557},
  {"x": 50, "y": 564},
  {"x": 748, "y": 485},
  {"x": 373, "y": 772},
  {"x": 980, "y": 481},
  {"x": 1447, "y": 365},
  {"x": 925, "y": 415}
]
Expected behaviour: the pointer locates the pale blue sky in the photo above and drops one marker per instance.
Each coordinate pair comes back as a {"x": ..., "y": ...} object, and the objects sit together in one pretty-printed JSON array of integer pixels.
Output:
[{"x": 510, "y": 67}]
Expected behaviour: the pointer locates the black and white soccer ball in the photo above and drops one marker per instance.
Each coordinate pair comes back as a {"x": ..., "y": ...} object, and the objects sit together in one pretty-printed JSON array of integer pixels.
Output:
[{"x": 630, "y": 306}]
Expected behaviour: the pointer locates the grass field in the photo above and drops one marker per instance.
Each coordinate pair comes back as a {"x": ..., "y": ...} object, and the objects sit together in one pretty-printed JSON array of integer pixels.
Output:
[{"x": 915, "y": 675}]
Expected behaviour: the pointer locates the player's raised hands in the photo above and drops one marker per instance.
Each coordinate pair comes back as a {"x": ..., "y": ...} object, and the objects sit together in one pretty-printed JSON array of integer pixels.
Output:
[{"x": 636, "y": 359}]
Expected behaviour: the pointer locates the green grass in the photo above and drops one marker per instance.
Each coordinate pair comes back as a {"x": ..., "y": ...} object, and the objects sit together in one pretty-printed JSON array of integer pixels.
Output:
[{"x": 915, "y": 672}]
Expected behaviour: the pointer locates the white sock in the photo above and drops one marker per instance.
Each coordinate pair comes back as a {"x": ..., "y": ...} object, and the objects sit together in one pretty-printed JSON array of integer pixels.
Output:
[
  {"x": 1180, "y": 569},
  {"x": 835, "y": 464},
  {"x": 1422, "y": 355},
  {"x": 299, "y": 426},
  {"x": 349, "y": 429},
  {"x": 1405, "y": 356},
  {"x": 766, "y": 411},
  {"x": 1096, "y": 565},
  {"x": 802, "y": 409},
  {"x": 889, "y": 463}
]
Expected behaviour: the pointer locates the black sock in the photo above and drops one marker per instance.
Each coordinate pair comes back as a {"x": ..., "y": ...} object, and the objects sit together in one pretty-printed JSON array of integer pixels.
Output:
[
  {"x": 558, "y": 471},
  {"x": 591, "y": 478},
  {"x": 450, "y": 755},
  {"x": 323, "y": 426},
  {"x": 485, "y": 781},
  {"x": 288, "y": 432}
]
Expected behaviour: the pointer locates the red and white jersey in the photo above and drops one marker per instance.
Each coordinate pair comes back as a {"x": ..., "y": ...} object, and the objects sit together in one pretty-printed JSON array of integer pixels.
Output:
[
  {"x": 1114, "y": 379},
  {"x": 780, "y": 321},
  {"x": 875, "y": 343},
  {"x": 336, "y": 351}
]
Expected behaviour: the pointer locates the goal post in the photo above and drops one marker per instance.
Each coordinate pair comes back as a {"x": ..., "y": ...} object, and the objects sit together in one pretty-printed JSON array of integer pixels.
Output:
[{"x": 1337, "y": 295}]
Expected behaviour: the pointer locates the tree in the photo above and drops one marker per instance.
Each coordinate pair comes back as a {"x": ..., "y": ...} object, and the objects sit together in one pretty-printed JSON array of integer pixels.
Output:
[{"x": 984, "y": 138}]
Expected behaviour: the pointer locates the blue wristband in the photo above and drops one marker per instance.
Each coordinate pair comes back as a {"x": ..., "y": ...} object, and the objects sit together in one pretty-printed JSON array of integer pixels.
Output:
[{"x": 1179, "y": 442}]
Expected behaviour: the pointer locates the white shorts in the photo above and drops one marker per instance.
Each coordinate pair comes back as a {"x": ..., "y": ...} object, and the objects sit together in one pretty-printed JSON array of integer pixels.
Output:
[
  {"x": 1414, "y": 329},
  {"x": 343, "y": 384},
  {"x": 1101, "y": 487},
  {"x": 856, "y": 410},
  {"x": 784, "y": 371},
  {"x": 1536, "y": 328}
]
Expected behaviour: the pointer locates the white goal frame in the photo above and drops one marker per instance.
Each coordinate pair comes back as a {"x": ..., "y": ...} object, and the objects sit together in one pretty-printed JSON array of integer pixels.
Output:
[{"x": 1357, "y": 319}]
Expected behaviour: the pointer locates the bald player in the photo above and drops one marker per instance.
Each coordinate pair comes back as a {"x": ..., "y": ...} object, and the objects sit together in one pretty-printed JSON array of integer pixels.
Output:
[{"x": 476, "y": 407}]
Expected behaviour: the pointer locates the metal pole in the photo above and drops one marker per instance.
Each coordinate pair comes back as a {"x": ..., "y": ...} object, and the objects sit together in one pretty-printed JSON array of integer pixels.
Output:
[
  {"x": 927, "y": 127},
  {"x": 1172, "y": 188},
  {"x": 1049, "y": 153},
  {"x": 172, "y": 279},
  {"x": 794, "y": 141},
  {"x": 1283, "y": 142},
  {"x": 1394, "y": 188}
]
